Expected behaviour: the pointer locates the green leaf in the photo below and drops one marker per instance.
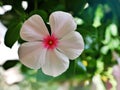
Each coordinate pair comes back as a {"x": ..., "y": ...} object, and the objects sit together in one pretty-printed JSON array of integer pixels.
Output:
[
  {"x": 43, "y": 77},
  {"x": 113, "y": 29},
  {"x": 104, "y": 50},
  {"x": 12, "y": 34},
  {"x": 10, "y": 63},
  {"x": 114, "y": 43},
  {"x": 100, "y": 66},
  {"x": 107, "y": 36}
]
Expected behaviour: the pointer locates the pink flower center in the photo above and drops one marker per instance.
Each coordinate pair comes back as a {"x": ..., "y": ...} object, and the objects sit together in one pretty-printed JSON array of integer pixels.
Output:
[{"x": 50, "y": 42}]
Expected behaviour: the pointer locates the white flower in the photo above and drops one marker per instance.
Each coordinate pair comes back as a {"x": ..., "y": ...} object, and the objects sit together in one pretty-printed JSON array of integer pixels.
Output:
[
  {"x": 50, "y": 51},
  {"x": 13, "y": 75}
]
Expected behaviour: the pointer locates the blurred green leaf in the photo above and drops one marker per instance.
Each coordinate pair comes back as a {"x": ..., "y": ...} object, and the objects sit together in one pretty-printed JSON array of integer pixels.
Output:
[
  {"x": 10, "y": 64},
  {"x": 100, "y": 66},
  {"x": 114, "y": 43},
  {"x": 107, "y": 36},
  {"x": 98, "y": 16},
  {"x": 75, "y": 5},
  {"x": 43, "y": 77},
  {"x": 105, "y": 49},
  {"x": 113, "y": 29},
  {"x": 12, "y": 34}
]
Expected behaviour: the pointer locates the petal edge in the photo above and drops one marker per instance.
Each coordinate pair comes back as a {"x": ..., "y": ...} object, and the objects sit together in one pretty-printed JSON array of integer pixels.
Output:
[
  {"x": 72, "y": 45},
  {"x": 56, "y": 63},
  {"x": 32, "y": 55},
  {"x": 61, "y": 23},
  {"x": 33, "y": 29}
]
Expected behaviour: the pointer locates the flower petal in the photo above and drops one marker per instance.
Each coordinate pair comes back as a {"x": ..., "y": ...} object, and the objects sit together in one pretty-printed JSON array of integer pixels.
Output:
[
  {"x": 56, "y": 63},
  {"x": 33, "y": 29},
  {"x": 62, "y": 23},
  {"x": 32, "y": 54},
  {"x": 71, "y": 45}
]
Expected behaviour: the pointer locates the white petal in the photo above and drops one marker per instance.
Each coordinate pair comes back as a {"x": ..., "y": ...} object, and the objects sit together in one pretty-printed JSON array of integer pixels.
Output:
[
  {"x": 71, "y": 45},
  {"x": 62, "y": 23},
  {"x": 33, "y": 29},
  {"x": 32, "y": 54},
  {"x": 56, "y": 63}
]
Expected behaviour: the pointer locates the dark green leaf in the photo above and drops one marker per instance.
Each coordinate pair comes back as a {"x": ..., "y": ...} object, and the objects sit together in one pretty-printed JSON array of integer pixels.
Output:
[
  {"x": 9, "y": 64},
  {"x": 12, "y": 34},
  {"x": 76, "y": 6}
]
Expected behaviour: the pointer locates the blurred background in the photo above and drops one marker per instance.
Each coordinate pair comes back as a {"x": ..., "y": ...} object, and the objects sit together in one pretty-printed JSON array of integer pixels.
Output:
[{"x": 98, "y": 68}]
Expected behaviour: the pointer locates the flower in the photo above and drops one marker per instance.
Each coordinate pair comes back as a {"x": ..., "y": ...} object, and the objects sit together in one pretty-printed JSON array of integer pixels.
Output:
[{"x": 50, "y": 51}]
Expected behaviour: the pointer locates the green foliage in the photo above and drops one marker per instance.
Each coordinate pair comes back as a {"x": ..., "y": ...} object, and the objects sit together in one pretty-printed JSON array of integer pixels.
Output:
[
  {"x": 12, "y": 35},
  {"x": 42, "y": 77},
  {"x": 9, "y": 64}
]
